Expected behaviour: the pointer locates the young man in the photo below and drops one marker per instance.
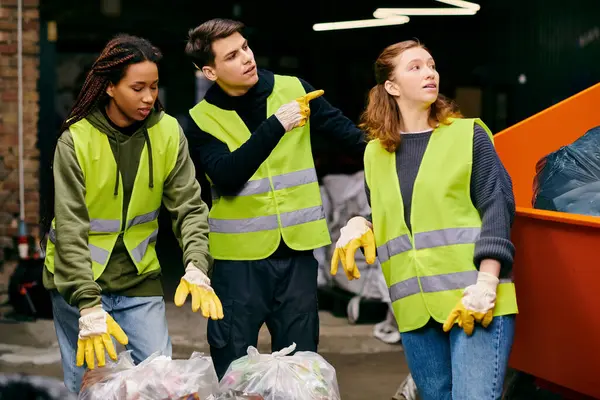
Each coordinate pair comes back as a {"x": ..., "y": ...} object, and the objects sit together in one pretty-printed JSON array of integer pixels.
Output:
[{"x": 252, "y": 137}]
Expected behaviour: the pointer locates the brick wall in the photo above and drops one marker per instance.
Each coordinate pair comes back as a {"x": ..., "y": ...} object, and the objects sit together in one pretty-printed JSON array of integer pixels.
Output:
[{"x": 9, "y": 151}]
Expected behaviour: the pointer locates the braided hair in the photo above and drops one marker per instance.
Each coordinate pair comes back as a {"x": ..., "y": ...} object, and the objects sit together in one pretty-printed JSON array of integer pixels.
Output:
[{"x": 110, "y": 67}]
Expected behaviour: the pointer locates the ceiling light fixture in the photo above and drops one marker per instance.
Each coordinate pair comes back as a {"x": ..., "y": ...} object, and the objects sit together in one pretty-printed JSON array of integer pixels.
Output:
[
  {"x": 464, "y": 8},
  {"x": 398, "y": 16},
  {"x": 392, "y": 12},
  {"x": 362, "y": 23}
]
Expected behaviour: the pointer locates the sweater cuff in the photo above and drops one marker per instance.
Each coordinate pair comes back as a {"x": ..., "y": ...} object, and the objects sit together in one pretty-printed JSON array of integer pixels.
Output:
[
  {"x": 275, "y": 127},
  {"x": 495, "y": 248},
  {"x": 87, "y": 294},
  {"x": 202, "y": 261},
  {"x": 88, "y": 301}
]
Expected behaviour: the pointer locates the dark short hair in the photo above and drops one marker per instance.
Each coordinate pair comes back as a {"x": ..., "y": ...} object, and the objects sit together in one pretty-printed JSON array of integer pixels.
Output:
[{"x": 200, "y": 39}]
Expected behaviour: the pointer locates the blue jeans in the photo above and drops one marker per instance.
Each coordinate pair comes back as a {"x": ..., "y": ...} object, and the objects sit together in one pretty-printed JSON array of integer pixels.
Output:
[
  {"x": 143, "y": 320},
  {"x": 454, "y": 366}
]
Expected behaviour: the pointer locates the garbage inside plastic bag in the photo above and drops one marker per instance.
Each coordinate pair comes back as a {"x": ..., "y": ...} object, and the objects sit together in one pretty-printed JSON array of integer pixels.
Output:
[
  {"x": 235, "y": 395},
  {"x": 280, "y": 376},
  {"x": 568, "y": 180},
  {"x": 193, "y": 396},
  {"x": 228, "y": 395},
  {"x": 157, "y": 377}
]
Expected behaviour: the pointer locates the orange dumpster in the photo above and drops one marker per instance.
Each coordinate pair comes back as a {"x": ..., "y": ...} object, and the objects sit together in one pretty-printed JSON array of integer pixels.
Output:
[{"x": 557, "y": 267}]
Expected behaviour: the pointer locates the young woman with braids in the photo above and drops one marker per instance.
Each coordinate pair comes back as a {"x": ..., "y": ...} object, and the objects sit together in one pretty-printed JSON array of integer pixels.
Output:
[
  {"x": 119, "y": 157},
  {"x": 442, "y": 207}
]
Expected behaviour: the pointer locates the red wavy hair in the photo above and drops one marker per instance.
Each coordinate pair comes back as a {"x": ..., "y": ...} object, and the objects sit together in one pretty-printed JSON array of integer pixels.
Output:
[{"x": 382, "y": 118}]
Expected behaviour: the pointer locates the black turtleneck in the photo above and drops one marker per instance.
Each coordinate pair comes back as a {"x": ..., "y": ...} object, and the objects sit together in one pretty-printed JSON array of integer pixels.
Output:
[{"x": 229, "y": 171}]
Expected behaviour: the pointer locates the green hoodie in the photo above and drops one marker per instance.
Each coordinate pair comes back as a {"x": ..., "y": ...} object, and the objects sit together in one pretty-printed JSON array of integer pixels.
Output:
[{"x": 181, "y": 196}]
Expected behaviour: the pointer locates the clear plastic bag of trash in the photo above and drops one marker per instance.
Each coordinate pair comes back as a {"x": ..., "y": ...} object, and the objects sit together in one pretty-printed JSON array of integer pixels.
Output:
[
  {"x": 280, "y": 376},
  {"x": 235, "y": 395},
  {"x": 157, "y": 377},
  {"x": 568, "y": 179}
]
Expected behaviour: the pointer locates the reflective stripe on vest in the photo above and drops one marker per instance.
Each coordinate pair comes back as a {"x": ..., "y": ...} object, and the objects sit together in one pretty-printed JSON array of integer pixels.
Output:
[
  {"x": 260, "y": 186},
  {"x": 96, "y": 253},
  {"x": 435, "y": 283},
  {"x": 427, "y": 240},
  {"x": 142, "y": 219},
  {"x": 139, "y": 251},
  {"x": 105, "y": 225},
  {"x": 282, "y": 181},
  {"x": 267, "y": 223},
  {"x": 108, "y": 226}
]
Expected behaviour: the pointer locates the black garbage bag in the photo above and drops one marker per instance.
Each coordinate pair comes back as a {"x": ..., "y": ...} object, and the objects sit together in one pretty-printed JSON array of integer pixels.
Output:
[{"x": 568, "y": 180}]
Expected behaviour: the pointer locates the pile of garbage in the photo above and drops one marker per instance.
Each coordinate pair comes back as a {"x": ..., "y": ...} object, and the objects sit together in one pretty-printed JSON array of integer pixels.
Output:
[
  {"x": 277, "y": 376},
  {"x": 157, "y": 377}
]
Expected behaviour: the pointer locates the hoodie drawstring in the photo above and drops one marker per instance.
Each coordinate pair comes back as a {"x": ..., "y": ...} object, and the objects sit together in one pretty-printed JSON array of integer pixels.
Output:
[
  {"x": 118, "y": 165},
  {"x": 150, "y": 163}
]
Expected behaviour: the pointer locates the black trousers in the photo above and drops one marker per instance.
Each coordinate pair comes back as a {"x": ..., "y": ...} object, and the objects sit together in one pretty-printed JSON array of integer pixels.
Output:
[{"x": 281, "y": 292}]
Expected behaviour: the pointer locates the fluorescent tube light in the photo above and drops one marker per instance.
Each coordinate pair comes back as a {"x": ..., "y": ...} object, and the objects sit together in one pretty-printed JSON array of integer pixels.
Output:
[
  {"x": 363, "y": 23},
  {"x": 398, "y": 16},
  {"x": 392, "y": 12},
  {"x": 462, "y": 4}
]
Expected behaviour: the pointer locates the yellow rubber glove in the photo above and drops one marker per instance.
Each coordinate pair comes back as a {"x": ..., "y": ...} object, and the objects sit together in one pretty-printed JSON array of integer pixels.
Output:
[
  {"x": 295, "y": 113},
  {"x": 357, "y": 233},
  {"x": 196, "y": 283},
  {"x": 95, "y": 328},
  {"x": 304, "y": 107},
  {"x": 476, "y": 305}
]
